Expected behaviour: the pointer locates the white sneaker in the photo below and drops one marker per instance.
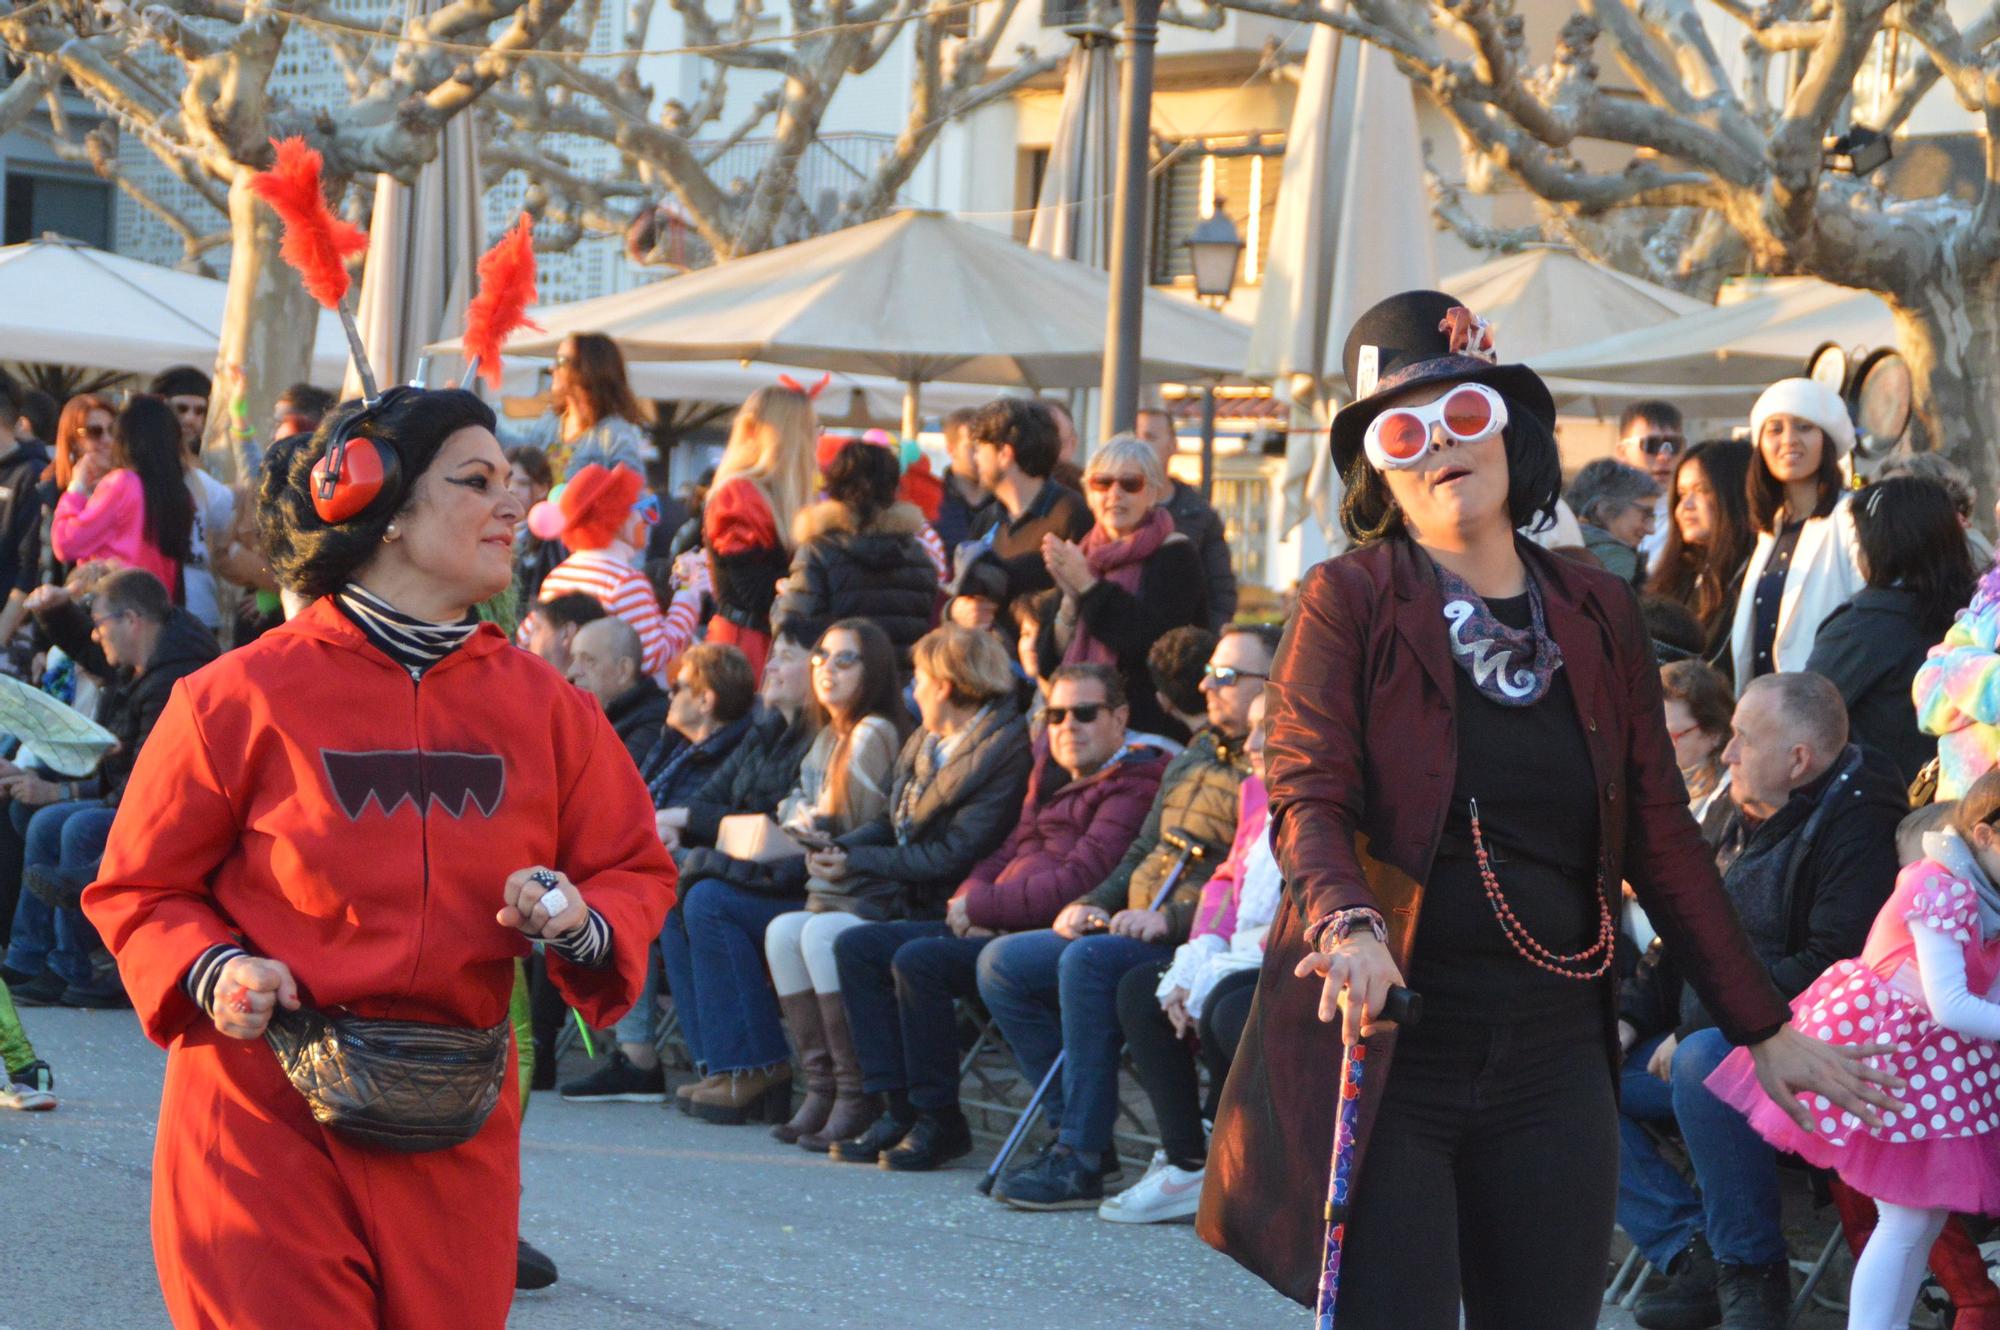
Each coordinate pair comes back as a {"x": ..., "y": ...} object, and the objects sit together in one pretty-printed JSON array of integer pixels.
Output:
[
  {"x": 26, "y": 1097},
  {"x": 1165, "y": 1195}
]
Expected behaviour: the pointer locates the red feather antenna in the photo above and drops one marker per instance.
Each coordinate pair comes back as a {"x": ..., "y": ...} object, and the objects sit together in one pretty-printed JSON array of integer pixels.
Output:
[
  {"x": 317, "y": 244},
  {"x": 506, "y": 289}
]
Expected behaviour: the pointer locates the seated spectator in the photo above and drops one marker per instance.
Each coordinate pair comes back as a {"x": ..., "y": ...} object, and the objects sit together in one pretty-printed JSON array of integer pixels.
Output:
[
  {"x": 1089, "y": 793},
  {"x": 1809, "y": 858},
  {"x": 1699, "y": 712},
  {"x": 1177, "y": 667},
  {"x": 551, "y": 626},
  {"x": 732, "y": 1025},
  {"x": 606, "y": 661},
  {"x": 1615, "y": 504},
  {"x": 957, "y": 793},
  {"x": 1205, "y": 991},
  {"x": 1919, "y": 571},
  {"x": 1056, "y": 990},
  {"x": 857, "y": 554},
  {"x": 765, "y": 765},
  {"x": 1676, "y": 633},
  {"x": 707, "y": 717},
  {"x": 603, "y": 517},
  {"x": 134, "y": 636},
  {"x": 1133, "y": 578}
]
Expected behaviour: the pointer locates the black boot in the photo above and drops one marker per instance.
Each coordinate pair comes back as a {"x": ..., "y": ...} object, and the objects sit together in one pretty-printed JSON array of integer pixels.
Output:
[
  {"x": 870, "y": 1145},
  {"x": 532, "y": 1267},
  {"x": 1688, "y": 1301},
  {"x": 1754, "y": 1297},
  {"x": 938, "y": 1137}
]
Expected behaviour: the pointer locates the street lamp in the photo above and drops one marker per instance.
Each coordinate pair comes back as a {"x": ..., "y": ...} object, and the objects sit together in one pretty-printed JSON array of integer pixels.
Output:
[{"x": 1215, "y": 249}]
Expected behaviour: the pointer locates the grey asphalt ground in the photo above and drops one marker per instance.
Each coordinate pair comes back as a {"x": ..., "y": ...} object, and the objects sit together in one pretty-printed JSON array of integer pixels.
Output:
[{"x": 657, "y": 1221}]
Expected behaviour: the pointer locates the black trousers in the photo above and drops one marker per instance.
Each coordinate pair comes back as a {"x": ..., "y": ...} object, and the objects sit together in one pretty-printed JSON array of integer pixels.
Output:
[
  {"x": 1491, "y": 1175},
  {"x": 1165, "y": 1063}
]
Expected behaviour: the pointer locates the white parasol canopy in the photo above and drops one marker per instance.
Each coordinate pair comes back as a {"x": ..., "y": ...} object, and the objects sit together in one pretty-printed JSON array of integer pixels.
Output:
[
  {"x": 915, "y": 296},
  {"x": 1073, "y": 211},
  {"x": 70, "y": 304},
  {"x": 1547, "y": 299}
]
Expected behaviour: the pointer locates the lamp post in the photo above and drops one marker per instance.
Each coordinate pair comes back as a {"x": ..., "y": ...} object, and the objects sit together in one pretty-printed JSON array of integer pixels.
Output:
[
  {"x": 1120, "y": 382},
  {"x": 1214, "y": 252}
]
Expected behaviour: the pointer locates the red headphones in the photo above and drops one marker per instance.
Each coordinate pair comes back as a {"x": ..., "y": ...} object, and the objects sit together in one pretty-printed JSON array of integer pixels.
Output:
[{"x": 356, "y": 468}]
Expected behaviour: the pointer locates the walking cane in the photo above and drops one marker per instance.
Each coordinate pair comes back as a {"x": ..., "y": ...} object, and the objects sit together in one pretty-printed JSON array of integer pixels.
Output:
[
  {"x": 1400, "y": 1007},
  {"x": 1190, "y": 847}
]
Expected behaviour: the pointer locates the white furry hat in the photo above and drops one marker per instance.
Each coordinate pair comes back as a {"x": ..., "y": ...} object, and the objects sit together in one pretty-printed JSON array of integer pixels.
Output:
[{"x": 1809, "y": 400}]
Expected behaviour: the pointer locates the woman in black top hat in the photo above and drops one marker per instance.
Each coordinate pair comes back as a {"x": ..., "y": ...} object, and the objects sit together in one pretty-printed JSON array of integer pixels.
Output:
[{"x": 1467, "y": 755}]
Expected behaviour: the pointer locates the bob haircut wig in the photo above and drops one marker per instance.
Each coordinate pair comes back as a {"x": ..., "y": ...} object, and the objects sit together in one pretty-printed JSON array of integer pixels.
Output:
[
  {"x": 316, "y": 558},
  {"x": 1534, "y": 482}
]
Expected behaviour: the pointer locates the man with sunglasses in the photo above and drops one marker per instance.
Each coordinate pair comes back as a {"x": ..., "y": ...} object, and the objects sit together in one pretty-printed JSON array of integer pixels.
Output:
[
  {"x": 1652, "y": 438},
  {"x": 22, "y": 461}
]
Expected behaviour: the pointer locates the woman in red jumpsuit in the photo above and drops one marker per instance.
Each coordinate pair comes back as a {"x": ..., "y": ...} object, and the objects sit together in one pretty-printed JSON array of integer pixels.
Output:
[{"x": 363, "y": 811}]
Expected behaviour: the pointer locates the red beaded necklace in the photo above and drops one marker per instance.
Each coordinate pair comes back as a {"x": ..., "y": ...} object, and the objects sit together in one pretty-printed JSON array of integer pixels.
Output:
[{"x": 1523, "y": 942}]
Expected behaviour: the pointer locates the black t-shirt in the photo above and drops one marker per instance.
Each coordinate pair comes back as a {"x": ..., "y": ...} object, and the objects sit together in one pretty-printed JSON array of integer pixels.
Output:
[{"x": 1529, "y": 768}]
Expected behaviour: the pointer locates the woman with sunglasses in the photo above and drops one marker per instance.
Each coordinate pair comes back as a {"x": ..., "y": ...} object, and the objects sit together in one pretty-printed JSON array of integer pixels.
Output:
[
  {"x": 82, "y": 431},
  {"x": 1807, "y": 562},
  {"x": 859, "y": 553},
  {"x": 604, "y": 516},
  {"x": 1708, "y": 541},
  {"x": 737, "y": 1032},
  {"x": 1132, "y": 579},
  {"x": 1456, "y": 708},
  {"x": 594, "y": 419},
  {"x": 136, "y": 511}
]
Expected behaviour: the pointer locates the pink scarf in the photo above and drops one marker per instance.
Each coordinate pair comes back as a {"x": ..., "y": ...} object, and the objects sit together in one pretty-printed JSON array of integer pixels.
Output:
[{"x": 1121, "y": 562}]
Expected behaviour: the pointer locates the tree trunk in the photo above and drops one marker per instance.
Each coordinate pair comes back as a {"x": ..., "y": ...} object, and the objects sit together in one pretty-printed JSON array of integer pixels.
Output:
[
  {"x": 268, "y": 325},
  {"x": 1949, "y": 328}
]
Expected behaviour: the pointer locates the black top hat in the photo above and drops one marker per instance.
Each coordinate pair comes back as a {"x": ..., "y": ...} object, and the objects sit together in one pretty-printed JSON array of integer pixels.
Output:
[{"x": 1417, "y": 338}]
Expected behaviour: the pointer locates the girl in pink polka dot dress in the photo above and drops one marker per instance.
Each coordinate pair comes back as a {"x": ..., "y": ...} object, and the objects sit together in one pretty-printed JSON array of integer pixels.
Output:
[{"x": 1924, "y": 983}]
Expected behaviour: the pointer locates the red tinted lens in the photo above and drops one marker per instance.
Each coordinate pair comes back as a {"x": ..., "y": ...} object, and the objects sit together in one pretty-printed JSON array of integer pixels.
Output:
[
  {"x": 1402, "y": 436},
  {"x": 1468, "y": 414}
]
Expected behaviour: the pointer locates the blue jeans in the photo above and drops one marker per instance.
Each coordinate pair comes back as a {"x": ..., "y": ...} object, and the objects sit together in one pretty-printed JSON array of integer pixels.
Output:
[
  {"x": 901, "y": 982},
  {"x": 69, "y": 837},
  {"x": 713, "y": 946},
  {"x": 1738, "y": 1206},
  {"x": 637, "y": 1026},
  {"x": 1052, "y": 995}
]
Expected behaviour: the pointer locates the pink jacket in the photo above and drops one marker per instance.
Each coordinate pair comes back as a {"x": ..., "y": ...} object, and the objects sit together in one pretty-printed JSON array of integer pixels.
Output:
[
  {"x": 1219, "y": 896},
  {"x": 109, "y": 524}
]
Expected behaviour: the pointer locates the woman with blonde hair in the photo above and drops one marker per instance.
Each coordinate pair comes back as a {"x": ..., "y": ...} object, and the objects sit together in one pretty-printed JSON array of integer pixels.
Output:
[{"x": 765, "y": 478}]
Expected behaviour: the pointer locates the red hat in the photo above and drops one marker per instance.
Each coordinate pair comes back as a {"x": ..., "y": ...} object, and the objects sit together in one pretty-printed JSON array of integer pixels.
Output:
[
  {"x": 921, "y": 488},
  {"x": 596, "y": 503}
]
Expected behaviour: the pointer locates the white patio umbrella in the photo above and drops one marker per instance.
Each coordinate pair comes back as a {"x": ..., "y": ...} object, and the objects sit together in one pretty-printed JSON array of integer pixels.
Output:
[
  {"x": 1353, "y": 227},
  {"x": 1731, "y": 352},
  {"x": 1073, "y": 210},
  {"x": 916, "y": 296},
  {"x": 1547, "y": 299},
  {"x": 423, "y": 242},
  {"x": 730, "y": 381},
  {"x": 69, "y": 304}
]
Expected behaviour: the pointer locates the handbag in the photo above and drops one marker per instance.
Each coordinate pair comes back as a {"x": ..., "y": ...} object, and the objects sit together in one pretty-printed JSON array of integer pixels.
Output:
[
  {"x": 409, "y": 1086},
  {"x": 755, "y": 838}
]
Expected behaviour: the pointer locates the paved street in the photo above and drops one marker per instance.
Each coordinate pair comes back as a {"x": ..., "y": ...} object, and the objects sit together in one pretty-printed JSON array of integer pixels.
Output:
[{"x": 658, "y": 1221}]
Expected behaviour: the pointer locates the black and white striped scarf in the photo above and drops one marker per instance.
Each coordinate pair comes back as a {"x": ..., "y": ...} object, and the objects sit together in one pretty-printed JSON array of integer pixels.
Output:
[{"x": 415, "y": 644}]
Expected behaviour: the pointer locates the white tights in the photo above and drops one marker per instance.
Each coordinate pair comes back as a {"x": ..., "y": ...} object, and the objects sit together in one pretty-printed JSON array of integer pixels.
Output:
[
  {"x": 799, "y": 947},
  {"x": 1891, "y": 1267}
]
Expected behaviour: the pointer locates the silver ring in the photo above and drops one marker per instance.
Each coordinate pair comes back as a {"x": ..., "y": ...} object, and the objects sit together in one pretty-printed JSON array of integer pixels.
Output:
[{"x": 554, "y": 902}]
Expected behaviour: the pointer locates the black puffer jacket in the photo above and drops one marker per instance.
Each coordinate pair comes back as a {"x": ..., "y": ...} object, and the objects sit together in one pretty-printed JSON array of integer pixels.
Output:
[
  {"x": 943, "y": 819},
  {"x": 130, "y": 703},
  {"x": 754, "y": 778},
  {"x": 880, "y": 573}
]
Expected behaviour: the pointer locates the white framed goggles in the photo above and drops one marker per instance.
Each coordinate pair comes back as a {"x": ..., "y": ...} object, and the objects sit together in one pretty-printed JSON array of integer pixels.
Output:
[{"x": 1401, "y": 436}]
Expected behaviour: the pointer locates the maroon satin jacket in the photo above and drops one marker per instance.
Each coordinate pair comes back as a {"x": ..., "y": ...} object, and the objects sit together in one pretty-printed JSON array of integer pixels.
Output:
[{"x": 1361, "y": 748}]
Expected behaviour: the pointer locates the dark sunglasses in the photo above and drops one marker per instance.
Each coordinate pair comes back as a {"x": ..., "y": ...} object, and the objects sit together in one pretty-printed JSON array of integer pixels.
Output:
[
  {"x": 840, "y": 660},
  {"x": 1660, "y": 445},
  {"x": 1084, "y": 713},
  {"x": 96, "y": 431},
  {"x": 1130, "y": 484},
  {"x": 1225, "y": 676}
]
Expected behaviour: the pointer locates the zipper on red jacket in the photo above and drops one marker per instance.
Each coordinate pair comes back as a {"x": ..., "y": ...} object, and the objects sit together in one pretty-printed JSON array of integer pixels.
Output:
[{"x": 423, "y": 821}]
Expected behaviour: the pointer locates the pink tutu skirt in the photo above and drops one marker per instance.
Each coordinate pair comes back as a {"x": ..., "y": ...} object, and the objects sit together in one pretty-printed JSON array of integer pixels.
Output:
[{"x": 1940, "y": 1149}]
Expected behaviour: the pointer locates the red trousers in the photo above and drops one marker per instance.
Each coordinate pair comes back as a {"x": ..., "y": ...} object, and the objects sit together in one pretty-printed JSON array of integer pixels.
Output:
[
  {"x": 1954, "y": 1259},
  {"x": 264, "y": 1219}
]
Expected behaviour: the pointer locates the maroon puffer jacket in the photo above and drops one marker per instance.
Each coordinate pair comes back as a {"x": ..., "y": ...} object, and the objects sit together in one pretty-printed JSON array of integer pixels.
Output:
[{"x": 1065, "y": 845}]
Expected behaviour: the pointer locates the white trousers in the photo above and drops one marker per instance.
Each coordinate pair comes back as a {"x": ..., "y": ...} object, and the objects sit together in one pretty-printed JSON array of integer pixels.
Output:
[{"x": 799, "y": 947}]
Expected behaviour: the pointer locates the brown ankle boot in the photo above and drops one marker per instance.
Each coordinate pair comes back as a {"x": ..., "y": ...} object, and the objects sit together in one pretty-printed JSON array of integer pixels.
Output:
[
  {"x": 815, "y": 1065},
  {"x": 763, "y": 1093},
  {"x": 853, "y": 1111},
  {"x": 684, "y": 1094}
]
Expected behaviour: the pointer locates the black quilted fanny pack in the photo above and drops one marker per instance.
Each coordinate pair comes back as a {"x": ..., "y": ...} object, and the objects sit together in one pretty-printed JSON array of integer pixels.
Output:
[{"x": 402, "y": 1085}]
